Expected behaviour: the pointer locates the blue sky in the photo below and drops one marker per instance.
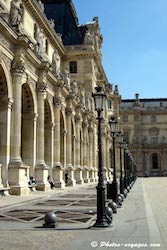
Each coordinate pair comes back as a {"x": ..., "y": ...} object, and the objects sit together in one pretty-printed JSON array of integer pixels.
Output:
[{"x": 135, "y": 43}]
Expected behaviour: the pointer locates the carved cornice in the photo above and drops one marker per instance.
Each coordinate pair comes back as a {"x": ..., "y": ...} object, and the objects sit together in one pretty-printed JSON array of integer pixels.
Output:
[{"x": 44, "y": 23}]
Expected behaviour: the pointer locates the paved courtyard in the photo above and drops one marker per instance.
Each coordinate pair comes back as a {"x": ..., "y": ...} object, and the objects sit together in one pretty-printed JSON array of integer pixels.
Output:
[{"x": 141, "y": 223}]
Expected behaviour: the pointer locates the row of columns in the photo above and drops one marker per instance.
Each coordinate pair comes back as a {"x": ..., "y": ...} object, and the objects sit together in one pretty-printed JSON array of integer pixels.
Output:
[{"x": 79, "y": 151}]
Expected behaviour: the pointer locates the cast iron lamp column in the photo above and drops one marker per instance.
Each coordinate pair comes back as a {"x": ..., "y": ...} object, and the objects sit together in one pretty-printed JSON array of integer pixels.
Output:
[
  {"x": 113, "y": 128},
  {"x": 125, "y": 165},
  {"x": 120, "y": 140},
  {"x": 101, "y": 220}
]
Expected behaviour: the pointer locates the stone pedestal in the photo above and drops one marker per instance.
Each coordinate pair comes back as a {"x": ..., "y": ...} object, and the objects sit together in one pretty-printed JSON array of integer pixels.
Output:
[
  {"x": 71, "y": 179},
  {"x": 96, "y": 175},
  {"x": 18, "y": 178},
  {"x": 86, "y": 174},
  {"x": 78, "y": 175},
  {"x": 1, "y": 175},
  {"x": 92, "y": 174},
  {"x": 110, "y": 176},
  {"x": 105, "y": 174},
  {"x": 58, "y": 176},
  {"x": 41, "y": 175}
]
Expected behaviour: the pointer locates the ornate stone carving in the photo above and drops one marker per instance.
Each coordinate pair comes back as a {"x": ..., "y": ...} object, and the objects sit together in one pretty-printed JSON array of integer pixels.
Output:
[
  {"x": 88, "y": 104},
  {"x": 88, "y": 38},
  {"x": 69, "y": 109},
  {"x": 82, "y": 96},
  {"x": 40, "y": 43},
  {"x": 42, "y": 82},
  {"x": 57, "y": 102},
  {"x": 18, "y": 64},
  {"x": 41, "y": 5},
  {"x": 75, "y": 88},
  {"x": 16, "y": 13},
  {"x": 66, "y": 77},
  {"x": 56, "y": 62}
]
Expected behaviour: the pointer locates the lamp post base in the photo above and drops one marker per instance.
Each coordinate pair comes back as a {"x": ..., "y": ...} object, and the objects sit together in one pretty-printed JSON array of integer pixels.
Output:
[{"x": 101, "y": 224}]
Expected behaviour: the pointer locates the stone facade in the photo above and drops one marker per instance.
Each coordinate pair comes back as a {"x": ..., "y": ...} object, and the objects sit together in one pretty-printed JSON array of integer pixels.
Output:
[
  {"x": 48, "y": 123},
  {"x": 144, "y": 124}
]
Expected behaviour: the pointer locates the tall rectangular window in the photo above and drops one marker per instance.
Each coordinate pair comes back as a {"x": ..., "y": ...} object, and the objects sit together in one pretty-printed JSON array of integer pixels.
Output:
[
  {"x": 154, "y": 137},
  {"x": 109, "y": 104},
  {"x": 73, "y": 67}
]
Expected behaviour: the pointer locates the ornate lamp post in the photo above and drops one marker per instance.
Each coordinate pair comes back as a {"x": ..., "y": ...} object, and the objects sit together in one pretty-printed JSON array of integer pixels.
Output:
[
  {"x": 120, "y": 140},
  {"x": 101, "y": 220},
  {"x": 113, "y": 129}
]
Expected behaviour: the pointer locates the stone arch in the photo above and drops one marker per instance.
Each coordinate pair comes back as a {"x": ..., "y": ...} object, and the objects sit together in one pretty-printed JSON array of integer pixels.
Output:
[
  {"x": 6, "y": 101},
  {"x": 8, "y": 79}
]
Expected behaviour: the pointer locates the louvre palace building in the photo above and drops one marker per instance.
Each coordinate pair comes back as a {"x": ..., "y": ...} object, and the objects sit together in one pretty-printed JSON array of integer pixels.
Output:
[{"x": 49, "y": 67}]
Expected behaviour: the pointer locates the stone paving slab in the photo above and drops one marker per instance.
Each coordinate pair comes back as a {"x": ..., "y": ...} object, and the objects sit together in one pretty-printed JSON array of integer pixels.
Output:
[{"x": 141, "y": 220}]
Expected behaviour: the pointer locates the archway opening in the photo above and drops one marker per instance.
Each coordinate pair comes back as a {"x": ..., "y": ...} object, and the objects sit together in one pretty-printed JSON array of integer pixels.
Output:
[
  {"x": 48, "y": 135},
  {"x": 62, "y": 131},
  {"x": 27, "y": 127},
  {"x": 4, "y": 157}
]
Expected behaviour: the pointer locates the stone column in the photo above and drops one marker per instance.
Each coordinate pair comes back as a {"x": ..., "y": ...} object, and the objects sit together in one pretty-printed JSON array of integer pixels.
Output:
[
  {"x": 108, "y": 152},
  {"x": 85, "y": 152},
  {"x": 52, "y": 149},
  {"x": 57, "y": 167},
  {"x": 105, "y": 173},
  {"x": 91, "y": 153},
  {"x": 41, "y": 169},
  {"x": 69, "y": 166},
  {"x": 18, "y": 172},
  {"x": 34, "y": 150},
  {"x": 78, "y": 168}
]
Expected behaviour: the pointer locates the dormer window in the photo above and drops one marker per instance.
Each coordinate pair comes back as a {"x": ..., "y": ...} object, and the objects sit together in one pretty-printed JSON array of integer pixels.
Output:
[{"x": 73, "y": 67}]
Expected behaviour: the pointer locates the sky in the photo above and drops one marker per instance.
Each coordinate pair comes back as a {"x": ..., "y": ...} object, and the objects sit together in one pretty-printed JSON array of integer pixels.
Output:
[{"x": 134, "y": 43}]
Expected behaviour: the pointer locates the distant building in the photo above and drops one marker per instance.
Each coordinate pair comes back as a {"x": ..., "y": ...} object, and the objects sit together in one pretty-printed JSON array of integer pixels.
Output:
[{"x": 144, "y": 122}]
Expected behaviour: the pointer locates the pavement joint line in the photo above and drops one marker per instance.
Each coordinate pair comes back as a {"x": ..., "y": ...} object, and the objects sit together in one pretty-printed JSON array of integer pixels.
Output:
[{"x": 151, "y": 215}]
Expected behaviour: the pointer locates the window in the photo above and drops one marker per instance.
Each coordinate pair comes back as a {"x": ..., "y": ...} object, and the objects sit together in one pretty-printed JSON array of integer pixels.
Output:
[
  {"x": 46, "y": 46},
  {"x": 35, "y": 30},
  {"x": 125, "y": 118},
  {"x": 136, "y": 118},
  {"x": 154, "y": 137},
  {"x": 153, "y": 118},
  {"x": 109, "y": 104},
  {"x": 73, "y": 67}
]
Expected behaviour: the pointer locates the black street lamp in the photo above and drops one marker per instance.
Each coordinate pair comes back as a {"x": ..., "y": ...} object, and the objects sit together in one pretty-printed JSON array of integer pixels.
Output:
[
  {"x": 101, "y": 220},
  {"x": 113, "y": 129},
  {"x": 125, "y": 166},
  {"x": 120, "y": 140}
]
